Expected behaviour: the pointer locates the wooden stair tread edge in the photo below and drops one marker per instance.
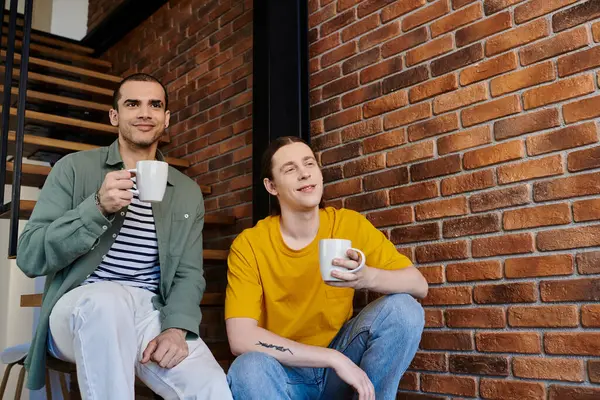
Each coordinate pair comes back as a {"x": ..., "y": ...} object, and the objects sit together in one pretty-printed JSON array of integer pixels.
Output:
[
  {"x": 33, "y": 94},
  {"x": 26, "y": 168},
  {"x": 215, "y": 219},
  {"x": 36, "y": 37}
]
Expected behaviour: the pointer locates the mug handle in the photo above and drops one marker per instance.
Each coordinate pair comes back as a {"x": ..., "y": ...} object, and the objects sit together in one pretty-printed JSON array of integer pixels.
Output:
[
  {"x": 362, "y": 261},
  {"x": 136, "y": 192}
]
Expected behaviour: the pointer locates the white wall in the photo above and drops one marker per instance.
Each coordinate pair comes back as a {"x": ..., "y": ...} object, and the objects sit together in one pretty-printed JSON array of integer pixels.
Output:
[{"x": 70, "y": 18}]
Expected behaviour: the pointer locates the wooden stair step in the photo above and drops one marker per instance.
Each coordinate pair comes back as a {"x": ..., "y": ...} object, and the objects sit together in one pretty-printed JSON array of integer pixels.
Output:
[
  {"x": 57, "y": 144},
  {"x": 216, "y": 255},
  {"x": 32, "y": 174},
  {"x": 214, "y": 219},
  {"x": 61, "y": 54},
  {"x": 66, "y": 83},
  {"x": 46, "y": 97},
  {"x": 50, "y": 41},
  {"x": 66, "y": 68}
]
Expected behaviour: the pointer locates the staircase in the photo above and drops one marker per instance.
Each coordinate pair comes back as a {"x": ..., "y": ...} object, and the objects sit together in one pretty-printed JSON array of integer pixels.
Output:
[{"x": 69, "y": 93}]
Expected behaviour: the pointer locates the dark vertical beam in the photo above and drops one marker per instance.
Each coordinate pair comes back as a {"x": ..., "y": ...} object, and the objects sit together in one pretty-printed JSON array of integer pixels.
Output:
[
  {"x": 280, "y": 87},
  {"x": 16, "y": 187}
]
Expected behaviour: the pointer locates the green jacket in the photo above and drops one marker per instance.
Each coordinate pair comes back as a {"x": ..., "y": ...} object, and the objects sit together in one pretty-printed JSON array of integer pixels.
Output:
[{"x": 67, "y": 236}]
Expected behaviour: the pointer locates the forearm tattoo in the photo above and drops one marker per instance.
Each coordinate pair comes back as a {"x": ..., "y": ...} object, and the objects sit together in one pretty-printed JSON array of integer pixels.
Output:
[{"x": 272, "y": 346}]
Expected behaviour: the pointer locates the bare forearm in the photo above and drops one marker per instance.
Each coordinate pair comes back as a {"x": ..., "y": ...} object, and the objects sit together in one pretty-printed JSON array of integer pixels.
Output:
[
  {"x": 287, "y": 352},
  {"x": 408, "y": 280}
]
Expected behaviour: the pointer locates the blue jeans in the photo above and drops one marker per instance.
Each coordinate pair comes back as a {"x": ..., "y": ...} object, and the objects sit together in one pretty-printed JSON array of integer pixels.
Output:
[{"x": 382, "y": 339}]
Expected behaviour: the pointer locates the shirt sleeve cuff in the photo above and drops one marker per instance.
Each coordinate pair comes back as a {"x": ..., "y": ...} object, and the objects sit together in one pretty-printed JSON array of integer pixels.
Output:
[
  {"x": 180, "y": 321},
  {"x": 92, "y": 218}
]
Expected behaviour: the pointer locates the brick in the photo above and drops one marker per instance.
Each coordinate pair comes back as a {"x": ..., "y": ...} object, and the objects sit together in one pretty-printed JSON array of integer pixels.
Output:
[
  {"x": 539, "y": 266},
  {"x": 517, "y": 37},
  {"x": 502, "y": 245},
  {"x": 409, "y": 154},
  {"x": 343, "y": 118},
  {"x": 429, "y": 50},
  {"x": 381, "y": 70},
  {"x": 464, "y": 140},
  {"x": 332, "y": 174},
  {"x": 327, "y": 43},
  {"x": 483, "y": 29},
  {"x": 522, "y": 292},
  {"x": 478, "y": 365},
  {"x": 364, "y": 165},
  {"x": 394, "y": 216},
  {"x": 434, "y": 168},
  {"x": 405, "y": 79},
  {"x": 488, "y": 68},
  {"x": 412, "y": 193},
  {"x": 432, "y": 127},
  {"x": 384, "y": 141},
  {"x": 361, "y": 95},
  {"x": 339, "y": 86},
  {"x": 446, "y": 340},
  {"x": 460, "y": 98},
  {"x": 316, "y": 127},
  {"x": 590, "y": 316},
  {"x": 586, "y": 210},
  {"x": 571, "y": 290},
  {"x": 320, "y": 16},
  {"x": 474, "y": 271},
  {"x": 554, "y": 46},
  {"x": 456, "y": 20},
  {"x": 594, "y": 371},
  {"x": 581, "y": 343},
  {"x": 583, "y": 109},
  {"x": 340, "y": 189},
  {"x": 508, "y": 390},
  {"x": 361, "y": 60},
  {"x": 575, "y": 393},
  {"x": 385, "y": 104},
  {"x": 379, "y": 35},
  {"x": 433, "y": 275},
  {"x": 398, "y": 8},
  {"x": 564, "y": 188},
  {"x": 361, "y": 129},
  {"x": 369, "y": 6},
  {"x": 325, "y": 76},
  {"x": 562, "y": 90},
  {"x": 543, "y": 317},
  {"x": 388, "y": 178},
  {"x": 457, "y": 295},
  {"x": 481, "y": 317},
  {"x": 537, "y": 8},
  {"x": 433, "y": 318},
  {"x": 456, "y": 4},
  {"x": 433, "y": 88},
  {"x": 491, "y": 110},
  {"x": 425, "y": 15},
  {"x": 493, "y": 6},
  {"x": 442, "y": 252},
  {"x": 338, "y": 154},
  {"x": 596, "y": 32},
  {"x": 509, "y": 342},
  {"x": 367, "y": 201},
  {"x": 532, "y": 217},
  {"x": 338, "y": 54},
  {"x": 588, "y": 263},
  {"x": 415, "y": 233},
  {"x": 404, "y": 42},
  {"x": 581, "y": 61},
  {"x": 460, "y": 386},
  {"x": 526, "y": 123},
  {"x": 358, "y": 28},
  {"x": 576, "y": 15},
  {"x": 429, "y": 362},
  {"x": 562, "y": 139},
  {"x": 527, "y": 77},
  {"x": 409, "y": 381},
  {"x": 327, "y": 107},
  {"x": 337, "y": 23},
  {"x": 473, "y": 225},
  {"x": 456, "y": 60},
  {"x": 407, "y": 115},
  {"x": 496, "y": 154},
  {"x": 441, "y": 208},
  {"x": 467, "y": 182}
]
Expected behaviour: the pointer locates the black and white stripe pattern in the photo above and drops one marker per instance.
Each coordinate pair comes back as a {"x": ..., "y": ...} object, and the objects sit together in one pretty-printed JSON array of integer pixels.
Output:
[{"x": 133, "y": 258}]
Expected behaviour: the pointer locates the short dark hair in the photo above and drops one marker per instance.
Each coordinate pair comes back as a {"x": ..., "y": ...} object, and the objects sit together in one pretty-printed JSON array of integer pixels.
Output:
[
  {"x": 140, "y": 77},
  {"x": 267, "y": 164}
]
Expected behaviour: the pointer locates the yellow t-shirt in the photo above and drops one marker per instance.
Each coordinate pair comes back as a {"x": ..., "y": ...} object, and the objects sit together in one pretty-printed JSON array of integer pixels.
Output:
[{"x": 282, "y": 288}]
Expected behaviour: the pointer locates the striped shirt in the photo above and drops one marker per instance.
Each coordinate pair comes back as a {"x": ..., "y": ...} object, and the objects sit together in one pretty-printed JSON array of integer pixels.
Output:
[{"x": 133, "y": 258}]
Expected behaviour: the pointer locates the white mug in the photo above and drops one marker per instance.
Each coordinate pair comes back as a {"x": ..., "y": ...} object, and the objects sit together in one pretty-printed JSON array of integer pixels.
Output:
[
  {"x": 151, "y": 180},
  {"x": 329, "y": 249}
]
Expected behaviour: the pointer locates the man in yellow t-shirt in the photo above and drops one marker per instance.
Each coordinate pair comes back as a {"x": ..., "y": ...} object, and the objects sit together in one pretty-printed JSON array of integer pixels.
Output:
[{"x": 292, "y": 331}]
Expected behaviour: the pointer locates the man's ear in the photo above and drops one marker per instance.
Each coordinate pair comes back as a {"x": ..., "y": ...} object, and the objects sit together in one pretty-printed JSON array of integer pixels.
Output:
[
  {"x": 270, "y": 186},
  {"x": 114, "y": 117},
  {"x": 167, "y": 118}
]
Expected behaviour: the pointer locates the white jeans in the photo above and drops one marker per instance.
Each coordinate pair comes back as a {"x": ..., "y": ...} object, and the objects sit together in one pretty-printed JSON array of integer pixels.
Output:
[{"x": 105, "y": 327}]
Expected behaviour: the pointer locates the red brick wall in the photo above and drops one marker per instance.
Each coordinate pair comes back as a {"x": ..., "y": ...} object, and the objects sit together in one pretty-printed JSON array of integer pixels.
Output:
[
  {"x": 202, "y": 51},
  {"x": 465, "y": 131},
  {"x": 100, "y": 9}
]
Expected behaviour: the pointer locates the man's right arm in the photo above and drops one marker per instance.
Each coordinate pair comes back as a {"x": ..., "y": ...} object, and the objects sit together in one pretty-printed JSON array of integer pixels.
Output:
[{"x": 57, "y": 235}]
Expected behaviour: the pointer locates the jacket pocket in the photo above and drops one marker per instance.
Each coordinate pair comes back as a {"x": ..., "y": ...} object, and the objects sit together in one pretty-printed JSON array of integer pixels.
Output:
[{"x": 181, "y": 224}]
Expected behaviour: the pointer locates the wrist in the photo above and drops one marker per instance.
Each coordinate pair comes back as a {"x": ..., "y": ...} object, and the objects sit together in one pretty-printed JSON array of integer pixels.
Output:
[
  {"x": 334, "y": 358},
  {"x": 370, "y": 278},
  {"x": 177, "y": 331},
  {"x": 98, "y": 204}
]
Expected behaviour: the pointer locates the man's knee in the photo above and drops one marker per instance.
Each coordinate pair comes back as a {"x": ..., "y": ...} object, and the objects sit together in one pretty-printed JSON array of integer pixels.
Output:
[
  {"x": 252, "y": 369},
  {"x": 405, "y": 310},
  {"x": 104, "y": 306}
]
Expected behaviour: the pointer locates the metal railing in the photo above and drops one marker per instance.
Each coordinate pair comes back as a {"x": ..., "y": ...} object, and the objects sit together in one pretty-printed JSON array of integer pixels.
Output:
[{"x": 15, "y": 203}]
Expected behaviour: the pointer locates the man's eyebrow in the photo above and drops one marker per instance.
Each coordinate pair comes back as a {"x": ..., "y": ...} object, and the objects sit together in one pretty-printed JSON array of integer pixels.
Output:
[{"x": 131, "y": 101}]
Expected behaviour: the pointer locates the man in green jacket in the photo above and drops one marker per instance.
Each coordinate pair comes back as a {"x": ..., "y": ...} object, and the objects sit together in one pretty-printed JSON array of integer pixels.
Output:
[{"x": 124, "y": 277}]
